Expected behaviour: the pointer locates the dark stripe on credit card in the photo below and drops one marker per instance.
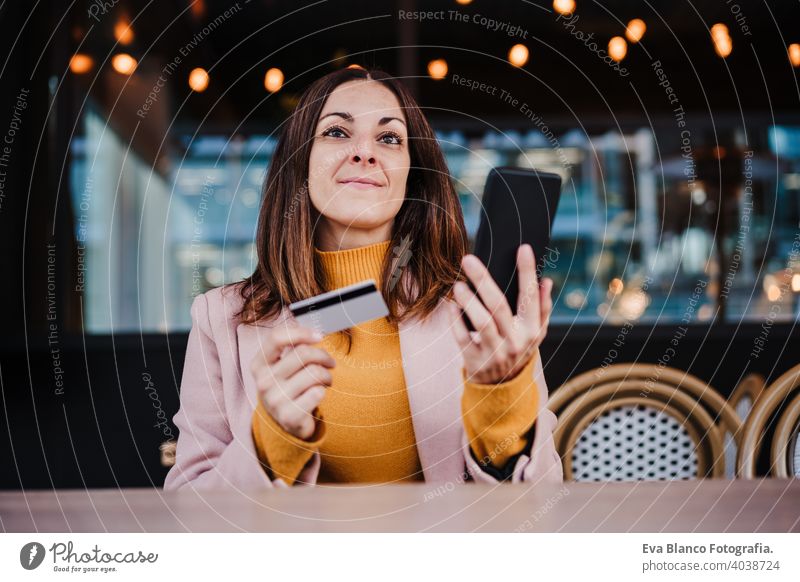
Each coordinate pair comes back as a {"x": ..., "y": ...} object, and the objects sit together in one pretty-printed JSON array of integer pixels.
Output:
[{"x": 341, "y": 298}]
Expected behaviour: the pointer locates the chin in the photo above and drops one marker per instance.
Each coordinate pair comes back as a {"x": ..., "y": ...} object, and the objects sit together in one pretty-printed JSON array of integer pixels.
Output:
[
  {"x": 365, "y": 221},
  {"x": 360, "y": 213}
]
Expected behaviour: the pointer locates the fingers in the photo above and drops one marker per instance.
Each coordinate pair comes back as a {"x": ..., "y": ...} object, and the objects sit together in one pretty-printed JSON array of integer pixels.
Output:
[
  {"x": 291, "y": 401},
  {"x": 492, "y": 296},
  {"x": 285, "y": 336},
  {"x": 546, "y": 306},
  {"x": 276, "y": 391},
  {"x": 309, "y": 376},
  {"x": 291, "y": 376},
  {"x": 501, "y": 355},
  {"x": 310, "y": 399},
  {"x": 458, "y": 326},
  {"x": 528, "y": 307},
  {"x": 296, "y": 416},
  {"x": 300, "y": 356},
  {"x": 483, "y": 322}
]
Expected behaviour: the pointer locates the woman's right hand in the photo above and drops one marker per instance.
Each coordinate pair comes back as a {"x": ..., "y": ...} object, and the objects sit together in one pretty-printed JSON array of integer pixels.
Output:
[{"x": 292, "y": 377}]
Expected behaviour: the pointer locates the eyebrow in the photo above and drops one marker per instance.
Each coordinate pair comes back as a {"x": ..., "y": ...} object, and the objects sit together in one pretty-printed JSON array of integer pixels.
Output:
[{"x": 348, "y": 117}]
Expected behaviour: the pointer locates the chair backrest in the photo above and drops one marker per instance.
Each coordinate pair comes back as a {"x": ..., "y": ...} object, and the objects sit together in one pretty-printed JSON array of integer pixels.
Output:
[
  {"x": 641, "y": 422},
  {"x": 746, "y": 393},
  {"x": 778, "y": 405},
  {"x": 785, "y": 450}
]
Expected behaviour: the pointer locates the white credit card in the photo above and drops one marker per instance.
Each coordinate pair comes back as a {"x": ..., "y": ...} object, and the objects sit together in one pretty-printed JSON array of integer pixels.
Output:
[{"x": 341, "y": 308}]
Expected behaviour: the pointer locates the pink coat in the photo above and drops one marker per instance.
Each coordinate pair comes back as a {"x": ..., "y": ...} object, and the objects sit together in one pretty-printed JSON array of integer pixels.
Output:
[{"x": 218, "y": 396}]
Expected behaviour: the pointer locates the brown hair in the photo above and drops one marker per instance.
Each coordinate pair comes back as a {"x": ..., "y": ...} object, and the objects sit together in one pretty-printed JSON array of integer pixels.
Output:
[{"x": 430, "y": 219}]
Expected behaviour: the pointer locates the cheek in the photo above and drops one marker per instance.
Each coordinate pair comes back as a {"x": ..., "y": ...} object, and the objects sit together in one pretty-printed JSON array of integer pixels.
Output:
[
  {"x": 398, "y": 174},
  {"x": 321, "y": 167}
]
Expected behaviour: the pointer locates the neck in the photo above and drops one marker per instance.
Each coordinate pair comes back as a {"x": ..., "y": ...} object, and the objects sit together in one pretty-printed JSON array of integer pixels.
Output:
[
  {"x": 334, "y": 237},
  {"x": 345, "y": 267}
]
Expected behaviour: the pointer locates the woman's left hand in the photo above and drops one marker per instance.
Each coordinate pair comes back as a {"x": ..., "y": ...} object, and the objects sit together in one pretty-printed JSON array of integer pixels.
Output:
[{"x": 503, "y": 343}]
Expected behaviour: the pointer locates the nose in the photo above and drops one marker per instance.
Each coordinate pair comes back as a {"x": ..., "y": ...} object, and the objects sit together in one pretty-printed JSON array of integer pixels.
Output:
[{"x": 363, "y": 153}]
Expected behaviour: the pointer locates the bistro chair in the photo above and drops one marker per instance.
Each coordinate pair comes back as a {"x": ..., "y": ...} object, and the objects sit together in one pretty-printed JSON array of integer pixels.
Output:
[
  {"x": 630, "y": 422},
  {"x": 778, "y": 406},
  {"x": 746, "y": 393},
  {"x": 742, "y": 399}
]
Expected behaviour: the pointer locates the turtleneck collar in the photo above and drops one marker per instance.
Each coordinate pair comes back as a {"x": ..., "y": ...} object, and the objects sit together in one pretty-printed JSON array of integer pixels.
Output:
[{"x": 350, "y": 266}]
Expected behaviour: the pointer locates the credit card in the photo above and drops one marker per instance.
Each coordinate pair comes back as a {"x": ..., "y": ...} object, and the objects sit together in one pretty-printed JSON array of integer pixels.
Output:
[{"x": 341, "y": 308}]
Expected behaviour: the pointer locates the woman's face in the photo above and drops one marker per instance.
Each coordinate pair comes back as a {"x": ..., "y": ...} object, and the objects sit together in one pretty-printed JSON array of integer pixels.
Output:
[{"x": 359, "y": 160}]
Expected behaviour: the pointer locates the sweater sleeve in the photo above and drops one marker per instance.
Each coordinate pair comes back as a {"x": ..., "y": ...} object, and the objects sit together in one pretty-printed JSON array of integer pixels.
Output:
[
  {"x": 282, "y": 454},
  {"x": 497, "y": 417}
]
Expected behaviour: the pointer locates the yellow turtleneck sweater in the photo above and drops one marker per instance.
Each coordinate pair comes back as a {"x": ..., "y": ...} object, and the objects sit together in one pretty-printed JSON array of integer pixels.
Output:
[{"x": 364, "y": 429}]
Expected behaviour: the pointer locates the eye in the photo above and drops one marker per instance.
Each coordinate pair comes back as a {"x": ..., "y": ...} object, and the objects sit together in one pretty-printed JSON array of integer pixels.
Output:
[
  {"x": 391, "y": 138},
  {"x": 334, "y": 131}
]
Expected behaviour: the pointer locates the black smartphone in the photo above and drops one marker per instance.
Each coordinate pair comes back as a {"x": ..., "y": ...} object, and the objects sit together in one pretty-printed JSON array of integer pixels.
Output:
[{"x": 518, "y": 207}]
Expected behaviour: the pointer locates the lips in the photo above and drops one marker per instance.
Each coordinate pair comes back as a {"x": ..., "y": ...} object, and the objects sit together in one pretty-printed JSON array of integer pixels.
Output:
[{"x": 362, "y": 182}]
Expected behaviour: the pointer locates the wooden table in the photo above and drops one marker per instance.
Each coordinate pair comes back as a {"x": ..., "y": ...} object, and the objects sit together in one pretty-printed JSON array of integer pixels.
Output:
[{"x": 702, "y": 506}]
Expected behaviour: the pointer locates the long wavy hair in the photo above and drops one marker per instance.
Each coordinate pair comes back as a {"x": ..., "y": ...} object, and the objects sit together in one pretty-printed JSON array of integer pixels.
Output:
[{"x": 428, "y": 228}]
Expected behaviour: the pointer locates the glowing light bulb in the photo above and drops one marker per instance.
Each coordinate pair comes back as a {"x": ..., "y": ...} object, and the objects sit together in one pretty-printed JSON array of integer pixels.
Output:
[
  {"x": 273, "y": 80},
  {"x": 124, "y": 63},
  {"x": 617, "y": 48},
  {"x": 198, "y": 79},
  {"x": 564, "y": 6},
  {"x": 719, "y": 30},
  {"x": 80, "y": 63},
  {"x": 794, "y": 54},
  {"x": 636, "y": 29},
  {"x": 723, "y": 44},
  {"x": 123, "y": 32},
  {"x": 437, "y": 69},
  {"x": 518, "y": 55}
]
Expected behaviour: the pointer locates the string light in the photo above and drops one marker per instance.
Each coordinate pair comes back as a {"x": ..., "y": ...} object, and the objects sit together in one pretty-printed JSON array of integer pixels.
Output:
[
  {"x": 124, "y": 63},
  {"x": 198, "y": 79},
  {"x": 123, "y": 32},
  {"x": 719, "y": 30},
  {"x": 80, "y": 63},
  {"x": 437, "y": 69},
  {"x": 564, "y": 7},
  {"x": 636, "y": 29},
  {"x": 794, "y": 54},
  {"x": 198, "y": 8},
  {"x": 723, "y": 44},
  {"x": 273, "y": 80},
  {"x": 518, "y": 55},
  {"x": 617, "y": 48}
]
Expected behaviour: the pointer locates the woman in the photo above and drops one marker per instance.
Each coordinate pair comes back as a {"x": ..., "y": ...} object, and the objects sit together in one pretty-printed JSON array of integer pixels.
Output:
[{"x": 358, "y": 188}]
